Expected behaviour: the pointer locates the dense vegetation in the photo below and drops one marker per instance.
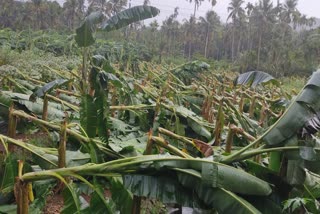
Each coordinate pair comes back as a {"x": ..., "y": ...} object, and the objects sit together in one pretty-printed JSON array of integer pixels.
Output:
[
  {"x": 106, "y": 127},
  {"x": 261, "y": 36}
]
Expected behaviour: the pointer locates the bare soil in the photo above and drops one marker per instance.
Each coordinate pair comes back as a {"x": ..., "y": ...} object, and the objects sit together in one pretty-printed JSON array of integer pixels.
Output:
[{"x": 54, "y": 204}]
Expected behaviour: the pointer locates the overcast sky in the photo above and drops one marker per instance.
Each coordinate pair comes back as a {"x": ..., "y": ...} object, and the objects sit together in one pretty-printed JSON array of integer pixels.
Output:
[{"x": 308, "y": 7}]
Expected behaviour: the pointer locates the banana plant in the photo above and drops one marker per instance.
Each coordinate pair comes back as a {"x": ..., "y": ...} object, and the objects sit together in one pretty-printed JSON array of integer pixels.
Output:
[
  {"x": 98, "y": 78},
  {"x": 84, "y": 34},
  {"x": 188, "y": 175}
]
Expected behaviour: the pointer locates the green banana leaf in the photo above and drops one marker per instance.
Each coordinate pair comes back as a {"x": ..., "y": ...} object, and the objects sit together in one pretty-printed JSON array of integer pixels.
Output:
[
  {"x": 47, "y": 88},
  {"x": 190, "y": 71},
  {"x": 312, "y": 182},
  {"x": 55, "y": 110},
  {"x": 42, "y": 189},
  {"x": 266, "y": 205},
  {"x": 99, "y": 203},
  {"x": 84, "y": 33},
  {"x": 122, "y": 197},
  {"x": 212, "y": 174},
  {"x": 84, "y": 37},
  {"x": 88, "y": 115},
  {"x": 298, "y": 113},
  {"x": 8, "y": 209},
  {"x": 218, "y": 198},
  {"x": 222, "y": 176},
  {"x": 71, "y": 200},
  {"x": 37, "y": 151},
  {"x": 8, "y": 172},
  {"x": 129, "y": 16},
  {"x": 164, "y": 188},
  {"x": 73, "y": 158}
]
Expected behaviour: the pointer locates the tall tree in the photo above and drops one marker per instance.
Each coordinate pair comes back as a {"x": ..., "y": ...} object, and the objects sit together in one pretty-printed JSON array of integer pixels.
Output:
[
  {"x": 237, "y": 15},
  {"x": 210, "y": 22},
  {"x": 73, "y": 12},
  {"x": 265, "y": 16},
  {"x": 109, "y": 7}
]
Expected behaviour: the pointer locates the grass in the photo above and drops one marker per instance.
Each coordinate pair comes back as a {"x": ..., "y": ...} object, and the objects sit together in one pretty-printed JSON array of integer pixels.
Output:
[{"x": 293, "y": 84}]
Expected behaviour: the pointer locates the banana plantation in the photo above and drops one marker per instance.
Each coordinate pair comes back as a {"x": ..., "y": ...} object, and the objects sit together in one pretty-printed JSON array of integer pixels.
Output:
[{"x": 93, "y": 126}]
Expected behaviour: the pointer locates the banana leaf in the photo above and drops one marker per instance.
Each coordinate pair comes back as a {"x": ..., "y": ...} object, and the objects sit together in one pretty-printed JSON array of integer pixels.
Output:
[
  {"x": 164, "y": 188},
  {"x": 55, "y": 110},
  {"x": 84, "y": 37},
  {"x": 99, "y": 203},
  {"x": 129, "y": 16},
  {"x": 47, "y": 88},
  {"x": 88, "y": 115},
  {"x": 71, "y": 200},
  {"x": 298, "y": 113},
  {"x": 73, "y": 158},
  {"x": 122, "y": 197},
  {"x": 84, "y": 33},
  {"x": 218, "y": 198},
  {"x": 8, "y": 209},
  {"x": 312, "y": 182},
  {"x": 255, "y": 78},
  {"x": 7, "y": 179}
]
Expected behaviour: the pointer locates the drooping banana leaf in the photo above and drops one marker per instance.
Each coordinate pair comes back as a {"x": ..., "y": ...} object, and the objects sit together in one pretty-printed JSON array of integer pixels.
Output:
[
  {"x": 254, "y": 78},
  {"x": 84, "y": 34},
  {"x": 266, "y": 205},
  {"x": 212, "y": 174},
  {"x": 121, "y": 195},
  {"x": 312, "y": 182},
  {"x": 102, "y": 105},
  {"x": 133, "y": 142},
  {"x": 47, "y": 88},
  {"x": 189, "y": 71},
  {"x": 55, "y": 110},
  {"x": 164, "y": 188},
  {"x": 7, "y": 179},
  {"x": 37, "y": 151},
  {"x": 218, "y": 198},
  {"x": 88, "y": 115},
  {"x": 84, "y": 37},
  {"x": 8, "y": 209},
  {"x": 298, "y": 113},
  {"x": 129, "y": 16},
  {"x": 73, "y": 158},
  {"x": 71, "y": 200},
  {"x": 190, "y": 115},
  {"x": 99, "y": 203},
  {"x": 222, "y": 176},
  {"x": 200, "y": 130}
]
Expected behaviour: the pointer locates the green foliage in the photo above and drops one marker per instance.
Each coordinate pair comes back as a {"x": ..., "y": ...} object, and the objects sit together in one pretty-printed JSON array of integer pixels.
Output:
[
  {"x": 297, "y": 114},
  {"x": 84, "y": 34},
  {"x": 190, "y": 70},
  {"x": 184, "y": 105},
  {"x": 88, "y": 115},
  {"x": 40, "y": 92},
  {"x": 129, "y": 16},
  {"x": 297, "y": 205}
]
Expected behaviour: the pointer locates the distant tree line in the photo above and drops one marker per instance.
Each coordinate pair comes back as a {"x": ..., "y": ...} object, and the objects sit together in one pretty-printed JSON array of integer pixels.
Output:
[
  {"x": 44, "y": 14},
  {"x": 260, "y": 36}
]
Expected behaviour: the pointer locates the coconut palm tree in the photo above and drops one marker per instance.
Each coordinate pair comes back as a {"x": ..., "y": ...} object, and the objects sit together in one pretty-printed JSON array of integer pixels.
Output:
[
  {"x": 264, "y": 17},
  {"x": 73, "y": 12},
  {"x": 210, "y": 22},
  {"x": 237, "y": 15},
  {"x": 108, "y": 7}
]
